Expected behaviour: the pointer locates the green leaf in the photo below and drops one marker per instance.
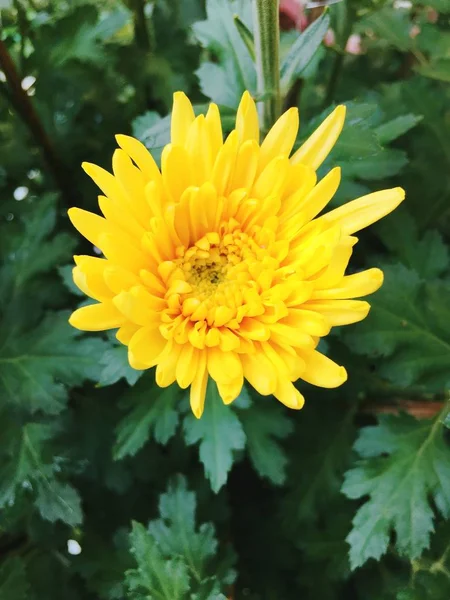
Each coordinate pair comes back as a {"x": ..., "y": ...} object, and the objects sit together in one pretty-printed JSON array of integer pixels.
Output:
[
  {"x": 428, "y": 255},
  {"x": 385, "y": 163},
  {"x": 218, "y": 33},
  {"x": 220, "y": 434},
  {"x": 315, "y": 481},
  {"x": 58, "y": 501},
  {"x": 153, "y": 413},
  {"x": 437, "y": 69},
  {"x": 408, "y": 330},
  {"x": 167, "y": 579},
  {"x": 264, "y": 425},
  {"x": 302, "y": 51},
  {"x": 246, "y": 36},
  {"x": 403, "y": 463},
  {"x": 174, "y": 556},
  {"x": 387, "y": 132},
  {"x": 13, "y": 580},
  {"x": 116, "y": 366},
  {"x": 175, "y": 532},
  {"x": 37, "y": 366},
  {"x": 27, "y": 469},
  {"x": 393, "y": 26}
]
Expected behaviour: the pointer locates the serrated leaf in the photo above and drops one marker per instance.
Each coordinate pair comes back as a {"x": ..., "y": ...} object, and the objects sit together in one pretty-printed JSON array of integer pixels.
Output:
[
  {"x": 387, "y": 132},
  {"x": 27, "y": 469},
  {"x": 13, "y": 580},
  {"x": 155, "y": 575},
  {"x": 427, "y": 254},
  {"x": 153, "y": 413},
  {"x": 175, "y": 532},
  {"x": 116, "y": 366},
  {"x": 303, "y": 50},
  {"x": 220, "y": 434},
  {"x": 264, "y": 427},
  {"x": 36, "y": 367},
  {"x": 219, "y": 34},
  {"x": 408, "y": 330},
  {"x": 176, "y": 559},
  {"x": 404, "y": 461}
]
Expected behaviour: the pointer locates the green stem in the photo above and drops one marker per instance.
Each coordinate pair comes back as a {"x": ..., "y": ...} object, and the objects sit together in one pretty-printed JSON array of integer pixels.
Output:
[
  {"x": 267, "y": 50},
  {"x": 338, "y": 63}
]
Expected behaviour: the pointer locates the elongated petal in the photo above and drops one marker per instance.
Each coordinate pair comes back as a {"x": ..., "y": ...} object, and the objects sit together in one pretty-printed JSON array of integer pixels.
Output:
[
  {"x": 366, "y": 210},
  {"x": 280, "y": 138},
  {"x": 247, "y": 123},
  {"x": 353, "y": 286},
  {"x": 322, "y": 371},
  {"x": 317, "y": 147},
  {"x": 182, "y": 118},
  {"x": 97, "y": 317}
]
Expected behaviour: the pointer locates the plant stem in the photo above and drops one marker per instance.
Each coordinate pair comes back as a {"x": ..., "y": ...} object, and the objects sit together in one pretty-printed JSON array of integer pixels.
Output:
[
  {"x": 339, "y": 58},
  {"x": 267, "y": 49},
  {"x": 24, "y": 107}
]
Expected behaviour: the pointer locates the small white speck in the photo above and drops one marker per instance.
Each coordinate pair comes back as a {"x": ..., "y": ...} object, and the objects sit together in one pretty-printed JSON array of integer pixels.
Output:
[
  {"x": 73, "y": 547},
  {"x": 20, "y": 193},
  {"x": 28, "y": 81},
  {"x": 2, "y": 76},
  {"x": 398, "y": 4},
  {"x": 97, "y": 250}
]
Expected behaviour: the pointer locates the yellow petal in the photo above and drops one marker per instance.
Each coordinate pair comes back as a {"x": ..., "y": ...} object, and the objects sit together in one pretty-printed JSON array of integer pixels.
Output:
[
  {"x": 88, "y": 276},
  {"x": 139, "y": 306},
  {"x": 364, "y": 211},
  {"x": 121, "y": 218},
  {"x": 230, "y": 391},
  {"x": 141, "y": 156},
  {"x": 90, "y": 225},
  {"x": 176, "y": 172},
  {"x": 187, "y": 365},
  {"x": 146, "y": 346},
  {"x": 317, "y": 147},
  {"x": 334, "y": 273},
  {"x": 340, "y": 312},
  {"x": 322, "y": 371},
  {"x": 321, "y": 194},
  {"x": 223, "y": 366},
  {"x": 307, "y": 321},
  {"x": 281, "y": 137},
  {"x": 97, "y": 317},
  {"x": 259, "y": 372},
  {"x": 166, "y": 368},
  {"x": 273, "y": 178},
  {"x": 246, "y": 166},
  {"x": 353, "y": 286},
  {"x": 119, "y": 279},
  {"x": 247, "y": 124},
  {"x": 199, "y": 149},
  {"x": 133, "y": 182},
  {"x": 214, "y": 128},
  {"x": 126, "y": 332},
  {"x": 198, "y": 387},
  {"x": 107, "y": 183},
  {"x": 289, "y": 395},
  {"x": 224, "y": 165},
  {"x": 182, "y": 118}
]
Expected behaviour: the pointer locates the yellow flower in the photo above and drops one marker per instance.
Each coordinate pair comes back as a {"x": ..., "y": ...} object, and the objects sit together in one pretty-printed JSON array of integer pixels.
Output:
[{"x": 218, "y": 265}]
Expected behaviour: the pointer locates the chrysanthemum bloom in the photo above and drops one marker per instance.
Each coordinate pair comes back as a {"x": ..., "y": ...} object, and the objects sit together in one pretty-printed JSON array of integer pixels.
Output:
[{"x": 218, "y": 266}]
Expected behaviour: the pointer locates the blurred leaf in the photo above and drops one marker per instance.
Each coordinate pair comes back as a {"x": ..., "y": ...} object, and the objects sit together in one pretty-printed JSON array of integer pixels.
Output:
[
  {"x": 428, "y": 255},
  {"x": 13, "y": 580},
  {"x": 153, "y": 413},
  {"x": 116, "y": 366},
  {"x": 379, "y": 166},
  {"x": 408, "y": 330},
  {"x": 27, "y": 469},
  {"x": 219, "y": 432},
  {"x": 387, "y": 132},
  {"x": 302, "y": 51},
  {"x": 264, "y": 426},
  {"x": 392, "y": 25},
  {"x": 37, "y": 366},
  {"x": 403, "y": 462},
  {"x": 438, "y": 69}
]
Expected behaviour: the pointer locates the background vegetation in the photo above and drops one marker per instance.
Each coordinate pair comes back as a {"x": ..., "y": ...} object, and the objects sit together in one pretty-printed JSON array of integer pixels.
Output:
[{"x": 109, "y": 488}]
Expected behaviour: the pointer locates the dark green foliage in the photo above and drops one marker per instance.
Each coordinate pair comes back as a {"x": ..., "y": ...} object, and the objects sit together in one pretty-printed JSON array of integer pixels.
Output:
[{"x": 348, "y": 499}]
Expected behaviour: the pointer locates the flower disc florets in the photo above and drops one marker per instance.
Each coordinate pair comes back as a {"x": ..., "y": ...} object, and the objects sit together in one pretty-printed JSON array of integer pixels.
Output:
[{"x": 218, "y": 265}]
